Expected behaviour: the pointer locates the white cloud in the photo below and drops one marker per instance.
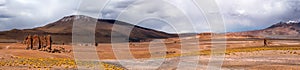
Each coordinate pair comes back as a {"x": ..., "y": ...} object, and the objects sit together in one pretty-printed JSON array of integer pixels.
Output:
[
  {"x": 239, "y": 15},
  {"x": 2, "y": 2},
  {"x": 31, "y": 13},
  {"x": 177, "y": 15},
  {"x": 172, "y": 10}
]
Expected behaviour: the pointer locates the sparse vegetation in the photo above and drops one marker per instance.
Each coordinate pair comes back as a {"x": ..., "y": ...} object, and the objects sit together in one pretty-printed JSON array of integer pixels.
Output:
[
  {"x": 48, "y": 63},
  {"x": 233, "y": 50},
  {"x": 251, "y": 49}
]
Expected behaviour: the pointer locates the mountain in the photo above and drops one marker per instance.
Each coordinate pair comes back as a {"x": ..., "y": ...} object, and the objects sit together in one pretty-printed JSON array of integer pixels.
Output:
[
  {"x": 61, "y": 30},
  {"x": 290, "y": 29}
]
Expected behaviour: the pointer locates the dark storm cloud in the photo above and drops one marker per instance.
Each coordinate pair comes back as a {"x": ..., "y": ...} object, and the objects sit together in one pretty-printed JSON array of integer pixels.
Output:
[
  {"x": 294, "y": 11},
  {"x": 115, "y": 7},
  {"x": 2, "y": 2},
  {"x": 239, "y": 15},
  {"x": 5, "y": 16},
  {"x": 163, "y": 9}
]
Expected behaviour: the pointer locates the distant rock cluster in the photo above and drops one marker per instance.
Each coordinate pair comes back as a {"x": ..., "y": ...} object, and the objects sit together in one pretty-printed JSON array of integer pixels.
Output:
[
  {"x": 42, "y": 43},
  {"x": 38, "y": 42}
]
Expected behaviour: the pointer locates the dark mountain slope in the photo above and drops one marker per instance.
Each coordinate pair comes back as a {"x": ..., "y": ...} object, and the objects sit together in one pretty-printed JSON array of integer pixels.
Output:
[{"x": 61, "y": 30}]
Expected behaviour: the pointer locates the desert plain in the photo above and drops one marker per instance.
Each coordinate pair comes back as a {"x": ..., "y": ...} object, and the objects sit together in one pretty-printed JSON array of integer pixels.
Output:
[{"x": 240, "y": 54}]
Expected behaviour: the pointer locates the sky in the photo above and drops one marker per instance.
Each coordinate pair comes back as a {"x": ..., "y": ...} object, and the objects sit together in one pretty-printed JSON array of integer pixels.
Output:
[{"x": 238, "y": 15}]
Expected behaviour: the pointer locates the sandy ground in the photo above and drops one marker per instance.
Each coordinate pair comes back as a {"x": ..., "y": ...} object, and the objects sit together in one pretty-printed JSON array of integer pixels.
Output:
[{"x": 254, "y": 60}]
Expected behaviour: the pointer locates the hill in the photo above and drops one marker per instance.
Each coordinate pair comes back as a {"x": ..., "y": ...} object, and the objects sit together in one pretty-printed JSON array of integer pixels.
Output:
[
  {"x": 290, "y": 29},
  {"x": 61, "y": 31}
]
